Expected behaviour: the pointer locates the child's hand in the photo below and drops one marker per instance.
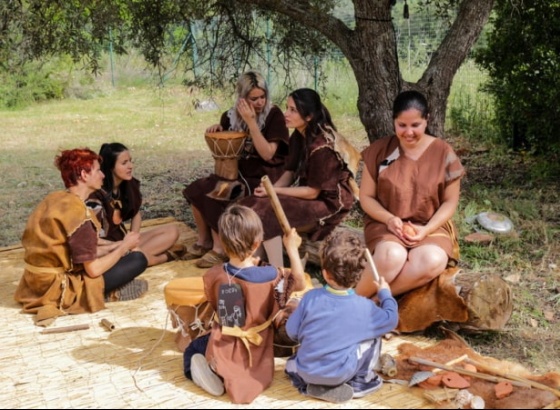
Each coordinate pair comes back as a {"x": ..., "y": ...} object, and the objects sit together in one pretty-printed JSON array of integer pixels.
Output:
[
  {"x": 292, "y": 240},
  {"x": 383, "y": 283}
]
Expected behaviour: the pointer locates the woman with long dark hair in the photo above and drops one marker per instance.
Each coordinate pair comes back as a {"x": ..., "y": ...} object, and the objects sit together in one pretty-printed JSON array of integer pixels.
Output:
[
  {"x": 120, "y": 201},
  {"x": 316, "y": 189}
]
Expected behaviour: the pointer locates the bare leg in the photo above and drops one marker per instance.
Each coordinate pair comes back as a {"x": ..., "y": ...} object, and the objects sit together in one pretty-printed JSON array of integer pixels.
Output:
[
  {"x": 424, "y": 263},
  {"x": 217, "y": 247},
  {"x": 156, "y": 241},
  {"x": 274, "y": 251},
  {"x": 389, "y": 259},
  {"x": 204, "y": 234}
]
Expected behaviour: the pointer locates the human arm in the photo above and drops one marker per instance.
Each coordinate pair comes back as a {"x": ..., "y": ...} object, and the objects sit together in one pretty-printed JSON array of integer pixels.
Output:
[
  {"x": 285, "y": 180},
  {"x": 443, "y": 214},
  {"x": 136, "y": 222},
  {"x": 104, "y": 246},
  {"x": 292, "y": 242},
  {"x": 100, "y": 265},
  {"x": 266, "y": 149}
]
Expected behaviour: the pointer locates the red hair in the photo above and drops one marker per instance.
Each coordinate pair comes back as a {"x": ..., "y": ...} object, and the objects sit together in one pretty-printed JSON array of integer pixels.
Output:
[{"x": 72, "y": 162}]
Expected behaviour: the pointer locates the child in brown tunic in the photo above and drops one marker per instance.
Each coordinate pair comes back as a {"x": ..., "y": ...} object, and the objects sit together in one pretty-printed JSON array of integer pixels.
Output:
[{"x": 237, "y": 356}]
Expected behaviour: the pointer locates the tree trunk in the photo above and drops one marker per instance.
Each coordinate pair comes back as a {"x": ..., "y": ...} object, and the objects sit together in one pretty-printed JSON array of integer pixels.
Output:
[{"x": 371, "y": 50}]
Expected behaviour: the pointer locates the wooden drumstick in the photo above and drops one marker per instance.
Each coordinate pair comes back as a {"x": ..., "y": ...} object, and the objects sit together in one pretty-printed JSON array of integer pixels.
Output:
[
  {"x": 276, "y": 205},
  {"x": 372, "y": 265}
]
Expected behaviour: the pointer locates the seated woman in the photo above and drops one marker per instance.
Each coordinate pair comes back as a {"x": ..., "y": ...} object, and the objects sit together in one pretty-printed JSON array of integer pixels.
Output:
[
  {"x": 64, "y": 274},
  {"x": 120, "y": 201},
  {"x": 316, "y": 189},
  {"x": 409, "y": 192},
  {"x": 264, "y": 153}
]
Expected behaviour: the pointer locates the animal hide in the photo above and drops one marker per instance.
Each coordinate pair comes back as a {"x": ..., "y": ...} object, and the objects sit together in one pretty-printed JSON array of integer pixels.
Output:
[
  {"x": 449, "y": 349},
  {"x": 436, "y": 301}
]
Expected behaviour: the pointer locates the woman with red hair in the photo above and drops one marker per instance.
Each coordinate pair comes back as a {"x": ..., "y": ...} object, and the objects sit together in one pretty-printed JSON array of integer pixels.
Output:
[{"x": 64, "y": 272}]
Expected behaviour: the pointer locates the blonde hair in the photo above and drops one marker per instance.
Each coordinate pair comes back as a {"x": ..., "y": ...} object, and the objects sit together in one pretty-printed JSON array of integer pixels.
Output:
[
  {"x": 240, "y": 228},
  {"x": 247, "y": 82}
]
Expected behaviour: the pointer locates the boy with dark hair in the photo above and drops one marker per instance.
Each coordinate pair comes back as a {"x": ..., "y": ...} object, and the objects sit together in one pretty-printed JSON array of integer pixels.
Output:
[
  {"x": 237, "y": 355},
  {"x": 325, "y": 366}
]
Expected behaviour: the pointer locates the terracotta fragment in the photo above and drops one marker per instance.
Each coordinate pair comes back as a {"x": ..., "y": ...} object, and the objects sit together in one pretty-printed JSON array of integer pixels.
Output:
[
  {"x": 503, "y": 389},
  {"x": 454, "y": 381}
]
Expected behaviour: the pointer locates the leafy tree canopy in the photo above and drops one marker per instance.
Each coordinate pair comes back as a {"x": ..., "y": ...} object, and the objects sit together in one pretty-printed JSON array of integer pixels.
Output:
[
  {"x": 523, "y": 59},
  {"x": 228, "y": 35}
]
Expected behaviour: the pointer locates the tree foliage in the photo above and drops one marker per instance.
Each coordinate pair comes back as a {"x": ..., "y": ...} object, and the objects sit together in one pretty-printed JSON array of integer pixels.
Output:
[
  {"x": 523, "y": 60},
  {"x": 228, "y": 35}
]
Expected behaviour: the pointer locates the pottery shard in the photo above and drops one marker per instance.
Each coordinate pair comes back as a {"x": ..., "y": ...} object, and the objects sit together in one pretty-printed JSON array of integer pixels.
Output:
[
  {"x": 503, "y": 389},
  {"x": 478, "y": 237},
  {"x": 431, "y": 382},
  {"x": 454, "y": 381}
]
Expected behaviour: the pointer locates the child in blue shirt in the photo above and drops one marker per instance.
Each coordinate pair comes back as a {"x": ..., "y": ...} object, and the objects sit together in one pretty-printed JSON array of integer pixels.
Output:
[{"x": 340, "y": 332}]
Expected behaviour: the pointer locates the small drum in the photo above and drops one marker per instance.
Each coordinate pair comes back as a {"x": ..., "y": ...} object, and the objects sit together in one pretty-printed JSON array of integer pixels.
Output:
[
  {"x": 189, "y": 309},
  {"x": 226, "y": 147}
]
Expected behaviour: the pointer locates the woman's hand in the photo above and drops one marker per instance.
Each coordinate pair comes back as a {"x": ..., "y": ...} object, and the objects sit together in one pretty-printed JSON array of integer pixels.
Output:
[
  {"x": 214, "y": 128},
  {"x": 413, "y": 233},
  {"x": 395, "y": 225},
  {"x": 260, "y": 191},
  {"x": 246, "y": 110}
]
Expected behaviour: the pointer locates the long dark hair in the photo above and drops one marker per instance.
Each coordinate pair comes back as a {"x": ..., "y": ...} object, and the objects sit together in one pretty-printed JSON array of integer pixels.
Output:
[
  {"x": 109, "y": 153},
  {"x": 308, "y": 104}
]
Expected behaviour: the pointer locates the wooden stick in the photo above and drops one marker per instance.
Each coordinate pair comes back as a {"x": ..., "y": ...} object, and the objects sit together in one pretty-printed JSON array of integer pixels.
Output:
[
  {"x": 452, "y": 362},
  {"x": 466, "y": 372},
  {"x": 65, "y": 329},
  {"x": 276, "y": 205},
  {"x": 372, "y": 265},
  {"x": 497, "y": 372}
]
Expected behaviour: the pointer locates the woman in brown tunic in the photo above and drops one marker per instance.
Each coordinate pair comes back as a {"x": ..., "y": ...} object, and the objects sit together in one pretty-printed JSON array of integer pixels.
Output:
[
  {"x": 64, "y": 273},
  {"x": 264, "y": 153},
  {"x": 315, "y": 190},
  {"x": 120, "y": 201},
  {"x": 409, "y": 192}
]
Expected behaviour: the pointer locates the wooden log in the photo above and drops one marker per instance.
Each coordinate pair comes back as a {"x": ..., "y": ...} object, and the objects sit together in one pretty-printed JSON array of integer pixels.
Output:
[{"x": 488, "y": 297}]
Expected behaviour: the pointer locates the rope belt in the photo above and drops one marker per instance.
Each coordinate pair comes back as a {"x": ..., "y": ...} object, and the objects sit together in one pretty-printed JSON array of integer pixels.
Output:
[{"x": 250, "y": 335}]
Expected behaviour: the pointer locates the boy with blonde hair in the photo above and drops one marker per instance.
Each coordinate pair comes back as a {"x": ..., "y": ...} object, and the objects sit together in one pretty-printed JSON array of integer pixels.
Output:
[{"x": 237, "y": 355}]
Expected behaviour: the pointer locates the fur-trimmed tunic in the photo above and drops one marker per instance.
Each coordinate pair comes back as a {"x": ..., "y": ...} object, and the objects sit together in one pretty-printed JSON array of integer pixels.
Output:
[
  {"x": 60, "y": 235},
  {"x": 318, "y": 164},
  {"x": 128, "y": 201}
]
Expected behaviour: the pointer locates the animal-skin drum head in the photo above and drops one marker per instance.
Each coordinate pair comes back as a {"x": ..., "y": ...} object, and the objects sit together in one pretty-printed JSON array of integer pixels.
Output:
[{"x": 494, "y": 222}]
